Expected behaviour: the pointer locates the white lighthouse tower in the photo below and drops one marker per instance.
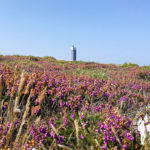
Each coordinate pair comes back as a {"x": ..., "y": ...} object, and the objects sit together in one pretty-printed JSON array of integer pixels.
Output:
[{"x": 73, "y": 53}]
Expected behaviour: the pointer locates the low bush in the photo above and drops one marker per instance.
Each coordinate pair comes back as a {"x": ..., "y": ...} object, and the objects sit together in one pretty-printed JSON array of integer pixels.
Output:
[
  {"x": 49, "y": 58},
  {"x": 100, "y": 74},
  {"x": 32, "y": 58},
  {"x": 127, "y": 65}
]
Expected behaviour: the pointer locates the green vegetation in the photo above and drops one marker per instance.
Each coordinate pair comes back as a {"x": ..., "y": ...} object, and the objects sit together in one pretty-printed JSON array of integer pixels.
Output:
[
  {"x": 127, "y": 65},
  {"x": 49, "y": 58},
  {"x": 146, "y": 67},
  {"x": 93, "y": 73},
  {"x": 32, "y": 58}
]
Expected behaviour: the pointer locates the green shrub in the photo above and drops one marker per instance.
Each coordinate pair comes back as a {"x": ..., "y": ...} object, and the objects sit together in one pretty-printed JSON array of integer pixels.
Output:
[
  {"x": 101, "y": 74},
  {"x": 1, "y": 57},
  {"x": 49, "y": 58},
  {"x": 32, "y": 58},
  {"x": 146, "y": 67},
  {"x": 76, "y": 62},
  {"x": 16, "y": 55},
  {"x": 61, "y": 62},
  {"x": 127, "y": 65}
]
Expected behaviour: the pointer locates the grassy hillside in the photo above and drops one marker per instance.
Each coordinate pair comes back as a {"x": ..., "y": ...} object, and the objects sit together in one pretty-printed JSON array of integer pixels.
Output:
[{"x": 54, "y": 104}]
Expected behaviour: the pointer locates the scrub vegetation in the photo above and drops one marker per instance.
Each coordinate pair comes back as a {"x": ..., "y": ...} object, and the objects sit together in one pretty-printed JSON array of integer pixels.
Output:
[{"x": 51, "y": 104}]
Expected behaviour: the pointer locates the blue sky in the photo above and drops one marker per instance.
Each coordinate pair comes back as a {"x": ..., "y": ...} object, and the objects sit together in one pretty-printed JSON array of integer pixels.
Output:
[{"x": 105, "y": 31}]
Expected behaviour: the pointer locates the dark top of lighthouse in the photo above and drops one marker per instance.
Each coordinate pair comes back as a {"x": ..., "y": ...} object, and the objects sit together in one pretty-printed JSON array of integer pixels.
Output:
[{"x": 73, "y": 47}]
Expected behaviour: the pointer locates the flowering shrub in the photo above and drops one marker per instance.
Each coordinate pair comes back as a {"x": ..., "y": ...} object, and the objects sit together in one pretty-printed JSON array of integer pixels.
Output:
[{"x": 49, "y": 106}]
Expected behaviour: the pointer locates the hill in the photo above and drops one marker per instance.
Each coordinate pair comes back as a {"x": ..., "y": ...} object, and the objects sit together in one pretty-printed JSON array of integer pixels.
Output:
[{"x": 55, "y": 104}]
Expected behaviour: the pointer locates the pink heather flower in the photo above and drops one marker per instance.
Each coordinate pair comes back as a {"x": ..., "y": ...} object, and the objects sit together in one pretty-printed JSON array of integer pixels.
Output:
[
  {"x": 123, "y": 98},
  {"x": 65, "y": 121},
  {"x": 83, "y": 125},
  {"x": 82, "y": 116},
  {"x": 26, "y": 145},
  {"x": 81, "y": 136},
  {"x": 61, "y": 103},
  {"x": 72, "y": 116},
  {"x": 53, "y": 99},
  {"x": 52, "y": 134},
  {"x": 105, "y": 126}
]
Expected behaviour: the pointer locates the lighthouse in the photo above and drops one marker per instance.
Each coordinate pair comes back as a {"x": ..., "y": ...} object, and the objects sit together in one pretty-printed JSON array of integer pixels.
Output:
[{"x": 73, "y": 53}]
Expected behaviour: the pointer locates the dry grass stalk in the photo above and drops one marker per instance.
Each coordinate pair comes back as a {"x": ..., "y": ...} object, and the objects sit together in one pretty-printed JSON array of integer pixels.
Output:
[
  {"x": 42, "y": 96},
  {"x": 27, "y": 90},
  {"x": 10, "y": 112},
  {"x": 21, "y": 85},
  {"x": 15, "y": 79},
  {"x": 55, "y": 130},
  {"x": 61, "y": 126},
  {"x": 92, "y": 148},
  {"x": 77, "y": 132},
  {"x": 121, "y": 105},
  {"x": 64, "y": 147},
  {"x": 113, "y": 130},
  {"x": 97, "y": 143},
  {"x": 22, "y": 81},
  {"x": 52, "y": 145},
  {"x": 10, "y": 131},
  {"x": 43, "y": 147},
  {"x": 146, "y": 146},
  {"x": 24, "y": 117},
  {"x": 69, "y": 137},
  {"x": 37, "y": 121},
  {"x": 29, "y": 123}
]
